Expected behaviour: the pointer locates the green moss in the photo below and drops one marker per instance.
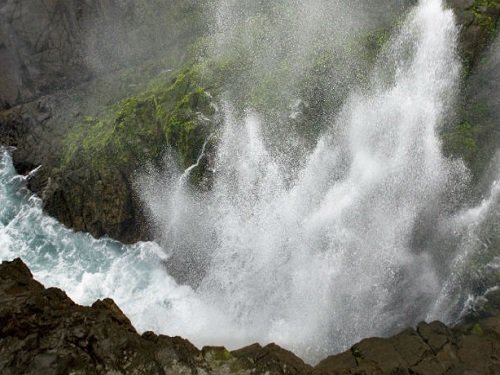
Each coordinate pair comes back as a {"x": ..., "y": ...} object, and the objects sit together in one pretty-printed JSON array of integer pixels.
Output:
[
  {"x": 182, "y": 127},
  {"x": 216, "y": 354},
  {"x": 376, "y": 40},
  {"x": 477, "y": 330},
  {"x": 462, "y": 141},
  {"x": 481, "y": 17},
  {"x": 222, "y": 355},
  {"x": 140, "y": 127}
]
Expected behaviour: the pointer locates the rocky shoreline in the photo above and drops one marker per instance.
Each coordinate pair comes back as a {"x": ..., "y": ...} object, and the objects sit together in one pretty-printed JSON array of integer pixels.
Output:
[{"x": 42, "y": 331}]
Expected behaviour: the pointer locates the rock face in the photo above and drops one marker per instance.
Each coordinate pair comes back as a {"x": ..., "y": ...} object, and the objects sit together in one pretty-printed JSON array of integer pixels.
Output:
[
  {"x": 62, "y": 59},
  {"x": 42, "y": 331},
  {"x": 478, "y": 20},
  {"x": 430, "y": 349},
  {"x": 50, "y": 45},
  {"x": 98, "y": 202}
]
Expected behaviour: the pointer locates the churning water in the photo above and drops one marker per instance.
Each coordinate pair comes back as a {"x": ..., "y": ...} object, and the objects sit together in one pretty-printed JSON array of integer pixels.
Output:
[{"x": 365, "y": 237}]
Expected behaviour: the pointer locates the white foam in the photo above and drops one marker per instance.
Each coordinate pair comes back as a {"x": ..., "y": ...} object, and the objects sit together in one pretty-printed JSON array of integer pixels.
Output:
[{"x": 323, "y": 260}]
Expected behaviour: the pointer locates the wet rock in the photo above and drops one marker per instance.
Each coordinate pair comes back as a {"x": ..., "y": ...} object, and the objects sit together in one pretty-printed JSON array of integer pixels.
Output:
[
  {"x": 433, "y": 349},
  {"x": 43, "y": 332},
  {"x": 46, "y": 46},
  {"x": 272, "y": 360},
  {"x": 434, "y": 334},
  {"x": 96, "y": 201},
  {"x": 477, "y": 20}
]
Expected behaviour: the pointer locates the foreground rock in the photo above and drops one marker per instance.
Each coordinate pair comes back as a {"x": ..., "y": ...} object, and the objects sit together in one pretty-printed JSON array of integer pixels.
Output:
[{"x": 43, "y": 332}]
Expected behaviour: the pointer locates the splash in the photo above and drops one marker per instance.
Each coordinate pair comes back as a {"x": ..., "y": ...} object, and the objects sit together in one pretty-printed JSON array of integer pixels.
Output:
[
  {"x": 320, "y": 257},
  {"x": 310, "y": 247},
  {"x": 88, "y": 269}
]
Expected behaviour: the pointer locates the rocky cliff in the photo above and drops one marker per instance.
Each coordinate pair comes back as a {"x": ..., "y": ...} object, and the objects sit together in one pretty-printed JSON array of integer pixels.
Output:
[
  {"x": 64, "y": 62},
  {"x": 46, "y": 46},
  {"x": 42, "y": 331}
]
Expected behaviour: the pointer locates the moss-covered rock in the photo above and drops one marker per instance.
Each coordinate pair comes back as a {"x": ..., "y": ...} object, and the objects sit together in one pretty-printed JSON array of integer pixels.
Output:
[
  {"x": 90, "y": 189},
  {"x": 478, "y": 20},
  {"x": 173, "y": 112}
]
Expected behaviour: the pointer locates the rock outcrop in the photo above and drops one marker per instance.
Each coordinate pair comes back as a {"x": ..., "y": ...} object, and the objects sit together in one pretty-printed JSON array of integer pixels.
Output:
[
  {"x": 478, "y": 20},
  {"x": 42, "y": 331},
  {"x": 65, "y": 63},
  {"x": 429, "y": 349}
]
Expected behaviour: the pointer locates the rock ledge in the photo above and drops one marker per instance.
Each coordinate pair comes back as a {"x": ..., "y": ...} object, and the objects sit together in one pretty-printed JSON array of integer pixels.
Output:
[{"x": 42, "y": 331}]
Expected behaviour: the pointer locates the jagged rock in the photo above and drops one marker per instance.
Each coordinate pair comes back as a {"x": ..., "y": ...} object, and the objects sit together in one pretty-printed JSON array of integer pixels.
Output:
[
  {"x": 431, "y": 349},
  {"x": 42, "y": 331}
]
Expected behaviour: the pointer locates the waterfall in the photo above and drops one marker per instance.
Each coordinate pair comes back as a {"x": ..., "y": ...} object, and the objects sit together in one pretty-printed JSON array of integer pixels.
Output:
[
  {"x": 332, "y": 255},
  {"x": 314, "y": 248}
]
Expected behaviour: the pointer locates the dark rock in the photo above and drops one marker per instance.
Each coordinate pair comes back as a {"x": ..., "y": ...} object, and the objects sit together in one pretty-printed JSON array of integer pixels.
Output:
[
  {"x": 477, "y": 20},
  {"x": 96, "y": 201},
  {"x": 434, "y": 349},
  {"x": 46, "y": 46},
  {"x": 43, "y": 332},
  {"x": 272, "y": 359}
]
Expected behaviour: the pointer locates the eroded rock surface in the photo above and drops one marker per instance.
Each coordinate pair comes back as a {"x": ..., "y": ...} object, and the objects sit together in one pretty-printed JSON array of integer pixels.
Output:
[
  {"x": 42, "y": 331},
  {"x": 431, "y": 348},
  {"x": 51, "y": 45}
]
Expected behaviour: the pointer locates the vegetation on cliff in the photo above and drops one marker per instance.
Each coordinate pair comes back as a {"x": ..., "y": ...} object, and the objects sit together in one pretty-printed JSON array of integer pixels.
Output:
[{"x": 173, "y": 111}]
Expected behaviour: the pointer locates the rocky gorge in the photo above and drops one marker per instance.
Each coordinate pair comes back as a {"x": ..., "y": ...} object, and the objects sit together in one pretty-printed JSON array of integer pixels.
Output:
[{"x": 94, "y": 93}]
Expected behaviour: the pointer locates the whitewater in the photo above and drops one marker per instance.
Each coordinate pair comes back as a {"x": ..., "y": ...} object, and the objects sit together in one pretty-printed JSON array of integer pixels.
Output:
[{"x": 370, "y": 234}]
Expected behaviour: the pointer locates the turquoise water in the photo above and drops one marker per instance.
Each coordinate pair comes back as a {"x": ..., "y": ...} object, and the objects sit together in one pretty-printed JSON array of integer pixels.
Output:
[{"x": 89, "y": 269}]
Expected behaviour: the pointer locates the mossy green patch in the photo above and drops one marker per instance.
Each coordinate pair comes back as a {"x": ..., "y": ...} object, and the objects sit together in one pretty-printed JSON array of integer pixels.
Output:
[
  {"x": 477, "y": 330},
  {"x": 481, "y": 17},
  {"x": 462, "y": 141},
  {"x": 173, "y": 111},
  {"x": 222, "y": 355}
]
